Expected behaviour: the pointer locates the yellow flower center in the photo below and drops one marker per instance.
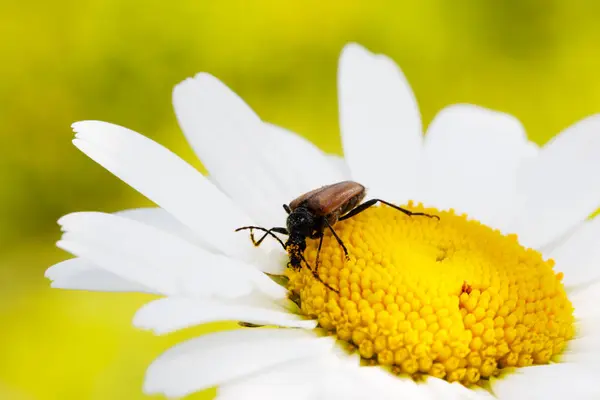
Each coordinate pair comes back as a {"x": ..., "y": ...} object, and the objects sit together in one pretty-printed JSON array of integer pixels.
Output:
[{"x": 450, "y": 298}]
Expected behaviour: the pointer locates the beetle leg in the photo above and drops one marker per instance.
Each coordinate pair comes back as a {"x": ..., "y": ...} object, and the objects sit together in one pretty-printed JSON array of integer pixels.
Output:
[
  {"x": 318, "y": 252},
  {"x": 372, "y": 202},
  {"x": 337, "y": 238},
  {"x": 268, "y": 232},
  {"x": 318, "y": 234},
  {"x": 316, "y": 276}
]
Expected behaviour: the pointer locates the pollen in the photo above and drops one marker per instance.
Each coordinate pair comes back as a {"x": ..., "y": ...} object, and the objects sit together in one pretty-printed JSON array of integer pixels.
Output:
[{"x": 450, "y": 298}]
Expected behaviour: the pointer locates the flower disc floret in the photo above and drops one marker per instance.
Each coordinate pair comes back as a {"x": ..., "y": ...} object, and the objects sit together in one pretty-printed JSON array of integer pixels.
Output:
[{"x": 450, "y": 298}]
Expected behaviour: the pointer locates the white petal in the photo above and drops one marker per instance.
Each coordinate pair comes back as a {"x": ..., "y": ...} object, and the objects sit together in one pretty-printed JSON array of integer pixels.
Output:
[
  {"x": 340, "y": 164},
  {"x": 259, "y": 165},
  {"x": 341, "y": 377},
  {"x": 297, "y": 380},
  {"x": 585, "y": 348},
  {"x": 167, "y": 180},
  {"x": 80, "y": 274},
  {"x": 161, "y": 219},
  {"x": 380, "y": 124},
  {"x": 301, "y": 161},
  {"x": 550, "y": 247},
  {"x": 439, "y": 389},
  {"x": 224, "y": 131},
  {"x": 558, "y": 188},
  {"x": 530, "y": 151},
  {"x": 585, "y": 300},
  {"x": 470, "y": 161},
  {"x": 220, "y": 357},
  {"x": 547, "y": 382},
  {"x": 159, "y": 260},
  {"x": 579, "y": 255},
  {"x": 173, "y": 313},
  {"x": 316, "y": 378},
  {"x": 359, "y": 382},
  {"x": 356, "y": 383}
]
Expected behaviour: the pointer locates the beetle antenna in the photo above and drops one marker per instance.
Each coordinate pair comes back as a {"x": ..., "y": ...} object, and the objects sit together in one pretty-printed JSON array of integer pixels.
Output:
[{"x": 268, "y": 232}]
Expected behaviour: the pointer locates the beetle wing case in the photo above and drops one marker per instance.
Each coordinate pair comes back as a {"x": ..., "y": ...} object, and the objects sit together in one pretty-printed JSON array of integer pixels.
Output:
[{"x": 338, "y": 198}]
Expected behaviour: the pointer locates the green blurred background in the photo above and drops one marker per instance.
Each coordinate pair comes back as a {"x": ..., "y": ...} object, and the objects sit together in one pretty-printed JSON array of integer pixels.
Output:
[{"x": 117, "y": 60}]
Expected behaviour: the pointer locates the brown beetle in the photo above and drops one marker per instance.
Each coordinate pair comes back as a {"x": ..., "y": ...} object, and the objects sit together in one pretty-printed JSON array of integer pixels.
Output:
[{"x": 311, "y": 213}]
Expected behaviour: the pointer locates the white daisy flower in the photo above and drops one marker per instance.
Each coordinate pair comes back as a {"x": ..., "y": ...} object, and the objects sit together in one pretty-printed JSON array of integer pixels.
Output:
[{"x": 421, "y": 309}]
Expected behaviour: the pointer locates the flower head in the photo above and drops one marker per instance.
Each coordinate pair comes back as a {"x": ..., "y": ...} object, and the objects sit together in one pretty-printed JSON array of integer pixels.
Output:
[{"x": 494, "y": 298}]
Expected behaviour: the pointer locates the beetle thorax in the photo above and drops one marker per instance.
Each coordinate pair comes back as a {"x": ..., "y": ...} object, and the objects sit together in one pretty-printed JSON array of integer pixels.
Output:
[{"x": 300, "y": 223}]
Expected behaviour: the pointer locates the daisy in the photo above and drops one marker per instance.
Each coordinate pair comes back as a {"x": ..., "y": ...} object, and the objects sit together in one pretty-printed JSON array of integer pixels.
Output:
[{"x": 496, "y": 299}]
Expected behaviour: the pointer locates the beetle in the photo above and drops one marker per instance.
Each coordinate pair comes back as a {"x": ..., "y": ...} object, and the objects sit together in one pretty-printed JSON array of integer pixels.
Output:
[{"x": 312, "y": 212}]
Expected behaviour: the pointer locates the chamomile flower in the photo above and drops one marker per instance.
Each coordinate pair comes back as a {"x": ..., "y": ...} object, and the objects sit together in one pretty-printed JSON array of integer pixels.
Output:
[{"x": 496, "y": 299}]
